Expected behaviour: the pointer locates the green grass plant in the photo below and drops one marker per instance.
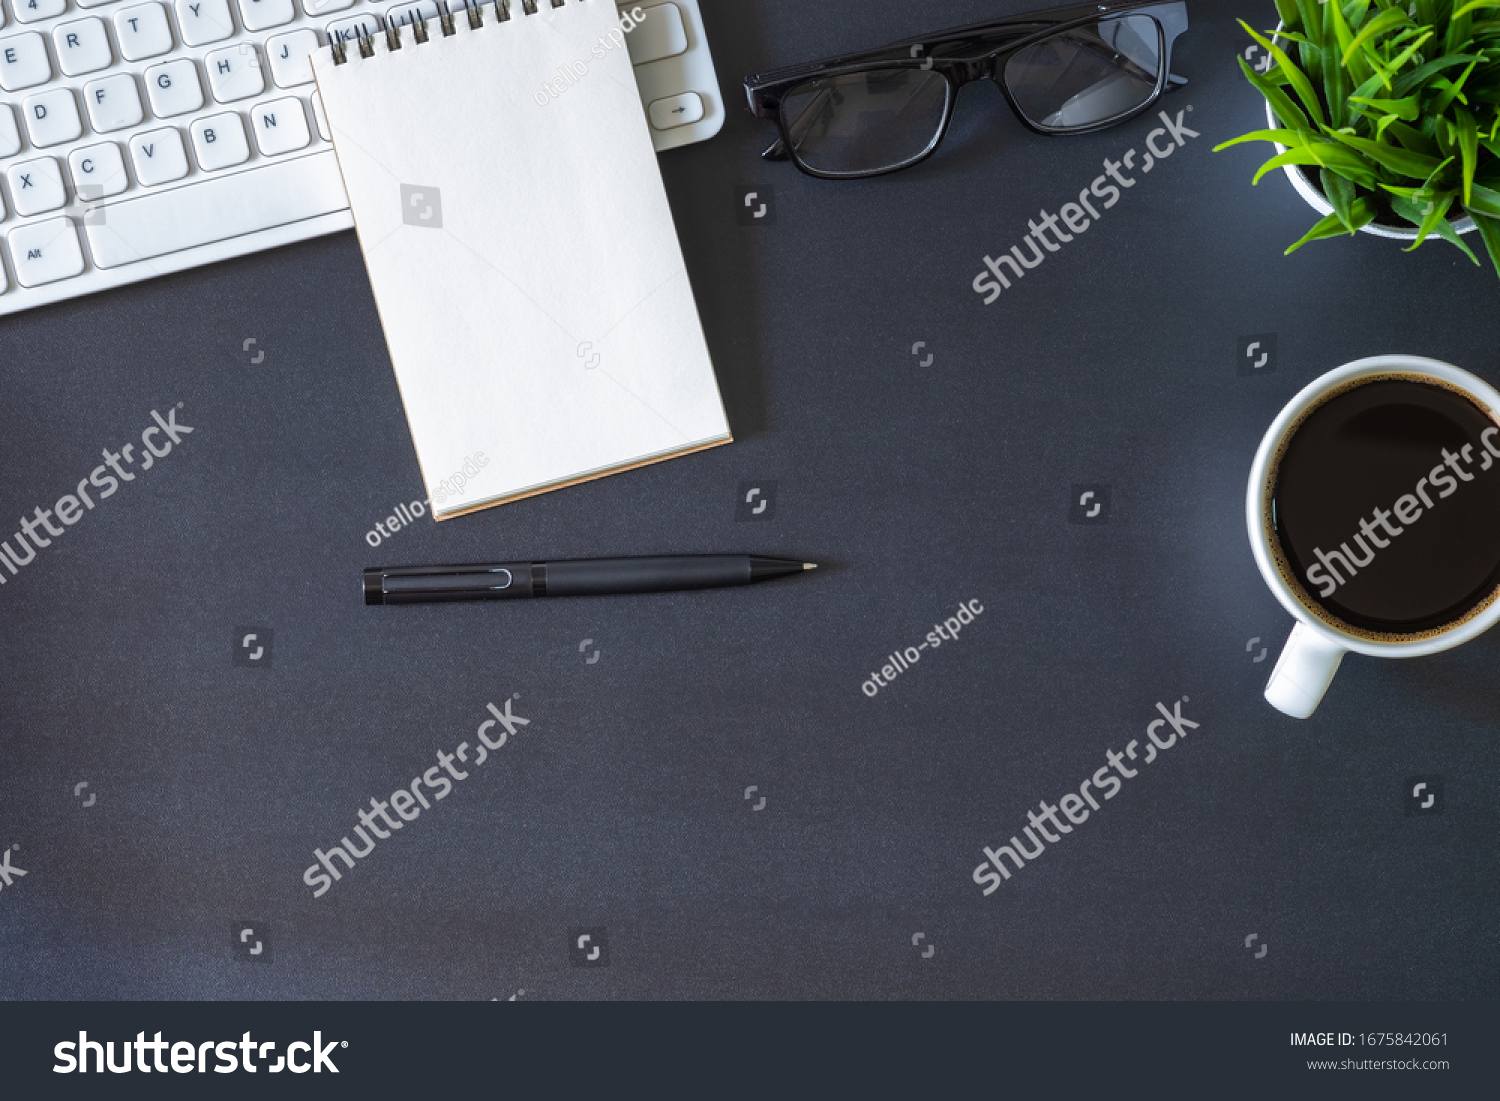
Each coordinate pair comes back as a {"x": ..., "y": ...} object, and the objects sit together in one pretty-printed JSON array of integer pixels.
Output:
[{"x": 1396, "y": 106}]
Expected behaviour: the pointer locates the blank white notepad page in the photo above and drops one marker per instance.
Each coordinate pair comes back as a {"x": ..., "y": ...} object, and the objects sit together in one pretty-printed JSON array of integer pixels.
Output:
[{"x": 522, "y": 252}]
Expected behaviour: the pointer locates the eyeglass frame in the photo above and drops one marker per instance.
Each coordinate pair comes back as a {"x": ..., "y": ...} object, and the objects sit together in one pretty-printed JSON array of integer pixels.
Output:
[{"x": 767, "y": 91}]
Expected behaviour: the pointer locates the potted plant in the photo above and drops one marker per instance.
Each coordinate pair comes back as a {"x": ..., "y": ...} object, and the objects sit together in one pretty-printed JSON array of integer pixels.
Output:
[{"x": 1395, "y": 107}]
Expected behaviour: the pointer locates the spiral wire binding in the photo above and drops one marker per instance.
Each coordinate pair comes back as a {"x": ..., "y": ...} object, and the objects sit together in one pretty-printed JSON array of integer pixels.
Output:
[{"x": 474, "y": 9}]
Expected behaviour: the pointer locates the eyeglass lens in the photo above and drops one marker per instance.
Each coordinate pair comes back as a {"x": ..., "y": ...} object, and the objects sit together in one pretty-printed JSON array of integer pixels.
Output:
[
  {"x": 858, "y": 123},
  {"x": 873, "y": 121},
  {"x": 1088, "y": 75}
]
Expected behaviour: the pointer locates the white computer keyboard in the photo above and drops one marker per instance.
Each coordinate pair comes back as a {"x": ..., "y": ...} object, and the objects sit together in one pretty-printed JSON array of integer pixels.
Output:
[{"x": 143, "y": 138}]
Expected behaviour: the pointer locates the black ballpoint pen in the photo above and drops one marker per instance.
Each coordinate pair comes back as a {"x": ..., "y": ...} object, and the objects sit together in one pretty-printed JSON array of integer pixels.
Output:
[{"x": 578, "y": 577}]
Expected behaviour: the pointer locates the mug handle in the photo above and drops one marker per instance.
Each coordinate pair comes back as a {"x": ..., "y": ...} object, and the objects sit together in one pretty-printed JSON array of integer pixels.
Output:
[{"x": 1303, "y": 672}]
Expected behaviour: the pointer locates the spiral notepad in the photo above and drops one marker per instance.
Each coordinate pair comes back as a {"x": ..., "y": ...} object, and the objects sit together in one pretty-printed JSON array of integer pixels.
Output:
[{"x": 520, "y": 246}]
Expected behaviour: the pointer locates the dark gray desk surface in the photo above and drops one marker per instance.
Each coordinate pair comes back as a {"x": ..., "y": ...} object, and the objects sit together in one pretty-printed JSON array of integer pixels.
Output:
[{"x": 623, "y": 804}]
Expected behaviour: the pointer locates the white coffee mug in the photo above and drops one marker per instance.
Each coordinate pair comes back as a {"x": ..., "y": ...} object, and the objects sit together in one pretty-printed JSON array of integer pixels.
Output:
[{"x": 1313, "y": 652}]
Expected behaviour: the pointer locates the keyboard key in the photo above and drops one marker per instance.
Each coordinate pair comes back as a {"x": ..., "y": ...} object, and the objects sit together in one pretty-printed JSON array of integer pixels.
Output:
[
  {"x": 257, "y": 15},
  {"x": 347, "y": 30},
  {"x": 404, "y": 15},
  {"x": 676, "y": 110},
  {"x": 203, "y": 21},
  {"x": 92, "y": 3},
  {"x": 219, "y": 141},
  {"x": 36, "y": 186},
  {"x": 290, "y": 57},
  {"x": 10, "y": 137},
  {"x": 234, "y": 73},
  {"x": 174, "y": 88},
  {"x": 23, "y": 62},
  {"x": 114, "y": 102},
  {"x": 661, "y": 34},
  {"x": 98, "y": 171},
  {"x": 52, "y": 117},
  {"x": 143, "y": 31},
  {"x": 323, "y": 7},
  {"x": 216, "y": 208},
  {"x": 280, "y": 126},
  {"x": 82, "y": 46},
  {"x": 29, "y": 11},
  {"x": 45, "y": 252},
  {"x": 320, "y": 116},
  {"x": 159, "y": 157}
]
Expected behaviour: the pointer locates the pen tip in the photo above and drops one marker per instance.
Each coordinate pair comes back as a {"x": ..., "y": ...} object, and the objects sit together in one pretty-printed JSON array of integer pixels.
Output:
[{"x": 809, "y": 565}]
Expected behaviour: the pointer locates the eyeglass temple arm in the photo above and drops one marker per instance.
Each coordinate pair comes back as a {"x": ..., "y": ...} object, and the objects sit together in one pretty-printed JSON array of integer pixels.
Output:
[{"x": 777, "y": 150}]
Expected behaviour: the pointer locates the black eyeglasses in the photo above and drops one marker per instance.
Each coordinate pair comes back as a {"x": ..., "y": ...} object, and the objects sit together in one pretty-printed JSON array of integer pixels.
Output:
[{"x": 1064, "y": 71}]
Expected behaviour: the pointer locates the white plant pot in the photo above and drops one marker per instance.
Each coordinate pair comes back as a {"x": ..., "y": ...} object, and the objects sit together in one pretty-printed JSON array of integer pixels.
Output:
[{"x": 1315, "y": 198}]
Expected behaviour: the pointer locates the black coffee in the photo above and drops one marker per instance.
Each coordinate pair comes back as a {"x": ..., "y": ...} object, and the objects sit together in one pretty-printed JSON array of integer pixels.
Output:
[{"x": 1386, "y": 504}]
